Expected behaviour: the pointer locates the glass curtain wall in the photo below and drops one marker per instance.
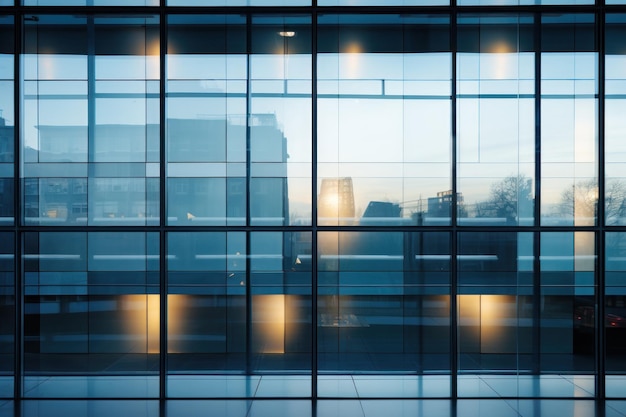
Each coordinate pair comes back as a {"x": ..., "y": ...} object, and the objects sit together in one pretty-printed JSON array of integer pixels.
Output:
[{"x": 380, "y": 205}]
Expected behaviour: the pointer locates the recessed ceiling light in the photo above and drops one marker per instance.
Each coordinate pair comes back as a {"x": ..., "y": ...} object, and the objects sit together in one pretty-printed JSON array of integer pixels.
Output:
[{"x": 287, "y": 34}]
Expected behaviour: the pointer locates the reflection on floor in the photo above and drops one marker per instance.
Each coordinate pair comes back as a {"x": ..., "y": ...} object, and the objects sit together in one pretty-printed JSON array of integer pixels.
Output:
[
  {"x": 306, "y": 408},
  {"x": 329, "y": 386}
]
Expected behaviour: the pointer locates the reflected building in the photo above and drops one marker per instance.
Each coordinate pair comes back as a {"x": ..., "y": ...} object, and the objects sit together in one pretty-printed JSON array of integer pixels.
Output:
[{"x": 336, "y": 199}]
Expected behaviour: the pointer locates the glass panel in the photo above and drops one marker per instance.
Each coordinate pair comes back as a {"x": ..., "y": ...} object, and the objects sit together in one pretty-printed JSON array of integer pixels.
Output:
[
  {"x": 92, "y": 162},
  {"x": 495, "y": 120},
  {"x": 567, "y": 338},
  {"x": 569, "y": 142},
  {"x": 615, "y": 125},
  {"x": 384, "y": 311},
  {"x": 384, "y": 120},
  {"x": 615, "y": 314},
  {"x": 206, "y": 120},
  {"x": 7, "y": 121},
  {"x": 257, "y": 339},
  {"x": 91, "y": 324},
  {"x": 280, "y": 121},
  {"x": 7, "y": 312},
  {"x": 496, "y": 310}
]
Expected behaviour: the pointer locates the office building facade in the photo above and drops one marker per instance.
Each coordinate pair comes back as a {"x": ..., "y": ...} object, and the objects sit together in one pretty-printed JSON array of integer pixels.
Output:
[{"x": 287, "y": 199}]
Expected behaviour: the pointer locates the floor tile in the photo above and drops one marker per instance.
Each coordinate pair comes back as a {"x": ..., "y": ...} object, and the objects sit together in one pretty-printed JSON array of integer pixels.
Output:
[
  {"x": 90, "y": 408},
  {"x": 406, "y": 387},
  {"x": 339, "y": 408},
  {"x": 486, "y": 408},
  {"x": 339, "y": 386},
  {"x": 284, "y": 386},
  {"x": 280, "y": 408},
  {"x": 616, "y": 406},
  {"x": 542, "y": 408},
  {"x": 207, "y": 408},
  {"x": 407, "y": 408},
  {"x": 236, "y": 386},
  {"x": 90, "y": 387}
]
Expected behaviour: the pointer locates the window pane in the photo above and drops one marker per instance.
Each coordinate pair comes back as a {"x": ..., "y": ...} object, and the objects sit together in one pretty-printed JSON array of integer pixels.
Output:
[
  {"x": 92, "y": 308},
  {"x": 383, "y": 308},
  {"x": 567, "y": 287},
  {"x": 496, "y": 302},
  {"x": 569, "y": 143},
  {"x": 615, "y": 313},
  {"x": 7, "y": 121},
  {"x": 280, "y": 120},
  {"x": 7, "y": 312},
  {"x": 94, "y": 161},
  {"x": 383, "y": 120},
  {"x": 615, "y": 126},
  {"x": 495, "y": 120},
  {"x": 208, "y": 275}
]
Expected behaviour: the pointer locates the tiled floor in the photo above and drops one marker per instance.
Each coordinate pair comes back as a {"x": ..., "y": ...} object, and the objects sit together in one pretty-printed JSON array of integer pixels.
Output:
[
  {"x": 352, "y": 396},
  {"x": 329, "y": 386},
  {"x": 306, "y": 408}
]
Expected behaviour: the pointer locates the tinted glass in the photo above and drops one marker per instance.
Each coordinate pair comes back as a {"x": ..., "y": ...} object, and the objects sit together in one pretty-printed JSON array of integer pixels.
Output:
[
  {"x": 95, "y": 161},
  {"x": 495, "y": 120},
  {"x": 7, "y": 311},
  {"x": 7, "y": 121},
  {"x": 383, "y": 305},
  {"x": 384, "y": 118},
  {"x": 569, "y": 141},
  {"x": 92, "y": 308}
]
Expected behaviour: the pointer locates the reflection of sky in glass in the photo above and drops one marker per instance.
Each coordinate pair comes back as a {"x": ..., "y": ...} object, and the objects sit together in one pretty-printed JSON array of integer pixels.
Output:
[{"x": 383, "y": 118}]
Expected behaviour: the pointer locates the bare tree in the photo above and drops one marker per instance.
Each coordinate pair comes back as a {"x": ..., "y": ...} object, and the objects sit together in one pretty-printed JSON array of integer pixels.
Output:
[
  {"x": 509, "y": 198},
  {"x": 581, "y": 200},
  {"x": 614, "y": 201}
]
